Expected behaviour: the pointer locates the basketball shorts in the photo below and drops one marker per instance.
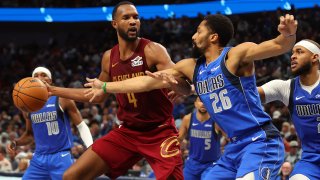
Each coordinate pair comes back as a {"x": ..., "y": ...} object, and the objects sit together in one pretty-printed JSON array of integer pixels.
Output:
[
  {"x": 122, "y": 148},
  {"x": 48, "y": 166},
  {"x": 309, "y": 165},
  {"x": 253, "y": 153},
  {"x": 194, "y": 169}
]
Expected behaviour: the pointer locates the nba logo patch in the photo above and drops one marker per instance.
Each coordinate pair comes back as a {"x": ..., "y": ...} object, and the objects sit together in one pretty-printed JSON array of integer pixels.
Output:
[
  {"x": 265, "y": 173},
  {"x": 137, "y": 61}
]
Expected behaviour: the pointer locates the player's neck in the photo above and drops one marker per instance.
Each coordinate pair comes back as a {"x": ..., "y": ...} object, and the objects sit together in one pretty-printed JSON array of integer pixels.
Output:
[
  {"x": 212, "y": 53},
  {"x": 127, "y": 48},
  {"x": 309, "y": 79},
  {"x": 202, "y": 117}
]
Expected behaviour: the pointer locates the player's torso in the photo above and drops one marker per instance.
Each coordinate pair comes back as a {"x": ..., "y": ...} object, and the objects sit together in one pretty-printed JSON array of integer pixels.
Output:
[
  {"x": 232, "y": 101},
  {"x": 204, "y": 142},
  {"x": 135, "y": 108},
  {"x": 306, "y": 117},
  {"x": 51, "y": 128}
]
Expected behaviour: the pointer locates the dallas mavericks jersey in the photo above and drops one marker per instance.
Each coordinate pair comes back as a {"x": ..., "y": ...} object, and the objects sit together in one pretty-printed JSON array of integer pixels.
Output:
[
  {"x": 305, "y": 112},
  {"x": 204, "y": 142},
  {"x": 51, "y": 128},
  {"x": 232, "y": 101}
]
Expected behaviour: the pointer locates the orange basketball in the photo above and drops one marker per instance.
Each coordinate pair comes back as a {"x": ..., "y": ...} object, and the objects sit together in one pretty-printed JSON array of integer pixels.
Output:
[{"x": 30, "y": 94}]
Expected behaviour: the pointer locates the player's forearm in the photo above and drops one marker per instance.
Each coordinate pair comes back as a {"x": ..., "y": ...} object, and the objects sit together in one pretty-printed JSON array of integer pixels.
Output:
[
  {"x": 25, "y": 139},
  {"x": 76, "y": 94},
  {"x": 283, "y": 43},
  {"x": 135, "y": 85},
  {"x": 183, "y": 87}
]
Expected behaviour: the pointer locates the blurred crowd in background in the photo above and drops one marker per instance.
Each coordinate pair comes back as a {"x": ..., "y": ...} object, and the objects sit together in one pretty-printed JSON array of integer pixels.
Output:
[{"x": 78, "y": 55}]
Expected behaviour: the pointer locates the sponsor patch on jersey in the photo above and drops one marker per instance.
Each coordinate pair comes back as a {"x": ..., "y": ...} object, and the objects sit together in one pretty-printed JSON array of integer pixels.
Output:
[{"x": 137, "y": 61}]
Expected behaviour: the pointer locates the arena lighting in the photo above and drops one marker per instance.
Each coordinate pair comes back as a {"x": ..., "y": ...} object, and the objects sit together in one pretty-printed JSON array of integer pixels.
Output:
[{"x": 227, "y": 7}]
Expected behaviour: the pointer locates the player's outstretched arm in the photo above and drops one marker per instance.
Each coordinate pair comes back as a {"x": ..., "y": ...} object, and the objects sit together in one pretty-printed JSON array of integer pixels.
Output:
[
  {"x": 98, "y": 88},
  {"x": 70, "y": 107},
  {"x": 248, "y": 52},
  {"x": 25, "y": 139}
]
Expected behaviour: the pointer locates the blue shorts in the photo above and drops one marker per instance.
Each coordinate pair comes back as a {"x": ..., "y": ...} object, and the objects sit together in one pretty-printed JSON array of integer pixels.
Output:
[
  {"x": 48, "y": 166},
  {"x": 309, "y": 169},
  {"x": 253, "y": 153},
  {"x": 194, "y": 169}
]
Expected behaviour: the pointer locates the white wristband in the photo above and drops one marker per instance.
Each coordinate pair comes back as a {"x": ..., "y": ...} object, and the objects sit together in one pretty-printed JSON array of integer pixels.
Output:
[{"x": 85, "y": 134}]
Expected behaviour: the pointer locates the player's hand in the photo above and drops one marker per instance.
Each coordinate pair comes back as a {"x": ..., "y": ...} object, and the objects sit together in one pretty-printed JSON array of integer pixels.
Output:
[
  {"x": 288, "y": 25},
  {"x": 173, "y": 96},
  {"x": 165, "y": 77},
  {"x": 49, "y": 87},
  {"x": 95, "y": 90},
  {"x": 11, "y": 148}
]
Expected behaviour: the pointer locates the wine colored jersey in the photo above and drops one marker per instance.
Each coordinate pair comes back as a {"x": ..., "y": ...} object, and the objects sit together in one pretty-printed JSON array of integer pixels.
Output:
[{"x": 140, "y": 111}]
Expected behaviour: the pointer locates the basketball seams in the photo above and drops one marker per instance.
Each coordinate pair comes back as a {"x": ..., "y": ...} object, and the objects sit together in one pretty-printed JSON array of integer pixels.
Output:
[
  {"x": 29, "y": 95},
  {"x": 21, "y": 100}
]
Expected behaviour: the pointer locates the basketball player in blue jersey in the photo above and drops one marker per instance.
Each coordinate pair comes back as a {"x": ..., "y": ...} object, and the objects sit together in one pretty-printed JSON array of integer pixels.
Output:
[
  {"x": 204, "y": 142},
  {"x": 302, "y": 96},
  {"x": 225, "y": 81},
  {"x": 50, "y": 129}
]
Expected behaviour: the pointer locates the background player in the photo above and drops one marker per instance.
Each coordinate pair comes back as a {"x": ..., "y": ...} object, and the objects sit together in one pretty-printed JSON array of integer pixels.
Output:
[
  {"x": 204, "y": 147},
  {"x": 50, "y": 129},
  {"x": 301, "y": 95},
  {"x": 225, "y": 81},
  {"x": 148, "y": 128}
]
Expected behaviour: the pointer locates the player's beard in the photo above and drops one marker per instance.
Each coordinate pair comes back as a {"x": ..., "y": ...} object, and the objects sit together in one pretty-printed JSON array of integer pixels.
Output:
[
  {"x": 196, "y": 53},
  {"x": 303, "y": 70},
  {"x": 202, "y": 112},
  {"x": 124, "y": 34}
]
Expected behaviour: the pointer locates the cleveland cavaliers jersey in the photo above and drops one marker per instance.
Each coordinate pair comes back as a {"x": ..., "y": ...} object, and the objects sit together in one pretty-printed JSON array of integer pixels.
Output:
[
  {"x": 139, "y": 111},
  {"x": 232, "y": 101},
  {"x": 204, "y": 141},
  {"x": 51, "y": 128},
  {"x": 305, "y": 113}
]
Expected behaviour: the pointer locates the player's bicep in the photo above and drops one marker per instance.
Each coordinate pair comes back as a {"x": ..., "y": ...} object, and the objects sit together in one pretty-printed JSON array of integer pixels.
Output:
[
  {"x": 184, "y": 127},
  {"x": 105, "y": 63}
]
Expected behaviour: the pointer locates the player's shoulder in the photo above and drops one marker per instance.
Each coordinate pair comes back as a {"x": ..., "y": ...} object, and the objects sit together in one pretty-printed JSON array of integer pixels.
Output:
[
  {"x": 154, "y": 47},
  {"x": 66, "y": 103}
]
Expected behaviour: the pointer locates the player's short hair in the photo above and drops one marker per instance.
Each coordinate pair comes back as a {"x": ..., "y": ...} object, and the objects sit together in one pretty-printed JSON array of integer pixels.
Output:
[
  {"x": 115, "y": 9},
  {"x": 221, "y": 25}
]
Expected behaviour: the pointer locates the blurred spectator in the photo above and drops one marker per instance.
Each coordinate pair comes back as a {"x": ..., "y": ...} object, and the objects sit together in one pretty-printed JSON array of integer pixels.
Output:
[
  {"x": 277, "y": 120},
  {"x": 293, "y": 156},
  {"x": 5, "y": 164},
  {"x": 285, "y": 171}
]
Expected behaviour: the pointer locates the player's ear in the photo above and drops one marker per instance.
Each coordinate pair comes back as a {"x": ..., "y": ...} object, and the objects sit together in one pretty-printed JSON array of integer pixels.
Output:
[
  {"x": 214, "y": 37},
  {"x": 114, "y": 24},
  {"x": 315, "y": 57}
]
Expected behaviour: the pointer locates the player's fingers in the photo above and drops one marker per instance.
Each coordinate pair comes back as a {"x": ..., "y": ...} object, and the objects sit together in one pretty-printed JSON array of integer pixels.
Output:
[
  {"x": 89, "y": 84},
  {"x": 92, "y": 98},
  {"x": 153, "y": 75},
  {"x": 90, "y": 80},
  {"x": 282, "y": 20}
]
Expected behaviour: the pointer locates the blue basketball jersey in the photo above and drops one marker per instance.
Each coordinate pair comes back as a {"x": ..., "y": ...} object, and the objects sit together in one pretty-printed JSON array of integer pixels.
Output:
[
  {"x": 305, "y": 114},
  {"x": 51, "y": 128},
  {"x": 232, "y": 101},
  {"x": 204, "y": 141}
]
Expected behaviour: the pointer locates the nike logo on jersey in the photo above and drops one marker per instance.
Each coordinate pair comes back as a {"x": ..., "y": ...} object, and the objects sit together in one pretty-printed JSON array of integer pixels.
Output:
[
  {"x": 50, "y": 105},
  {"x": 113, "y": 65},
  {"x": 201, "y": 72},
  {"x": 255, "y": 138},
  {"x": 63, "y": 155},
  {"x": 194, "y": 124},
  {"x": 299, "y": 97}
]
